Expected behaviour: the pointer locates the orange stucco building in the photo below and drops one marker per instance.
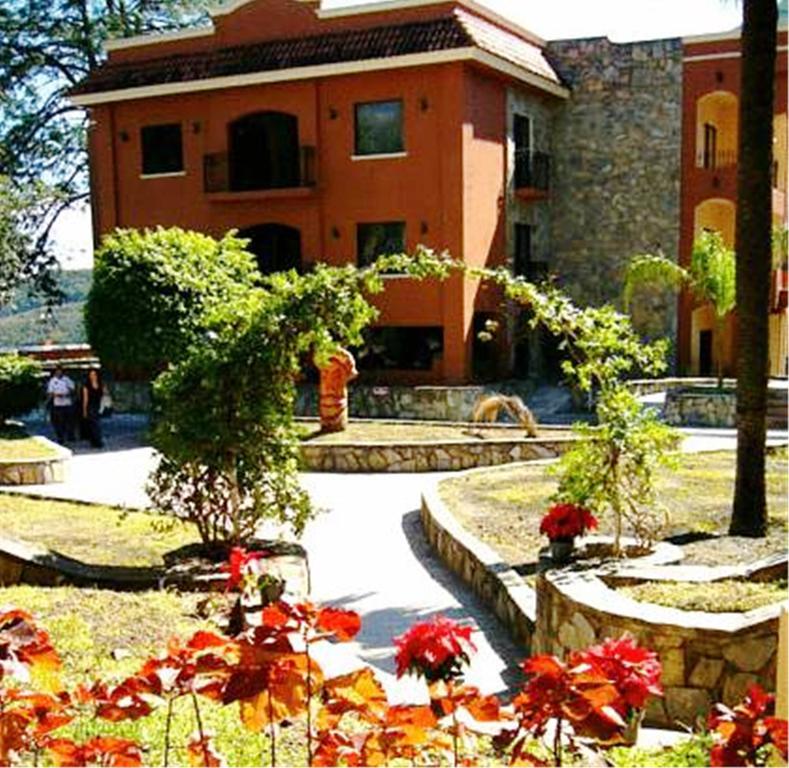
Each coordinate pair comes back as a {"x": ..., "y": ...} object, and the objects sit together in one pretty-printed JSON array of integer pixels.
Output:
[
  {"x": 337, "y": 134},
  {"x": 710, "y": 110},
  {"x": 382, "y": 129}
]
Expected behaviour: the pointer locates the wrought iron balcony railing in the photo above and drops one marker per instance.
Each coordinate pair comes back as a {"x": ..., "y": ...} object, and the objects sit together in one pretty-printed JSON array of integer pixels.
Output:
[
  {"x": 218, "y": 174},
  {"x": 532, "y": 170}
]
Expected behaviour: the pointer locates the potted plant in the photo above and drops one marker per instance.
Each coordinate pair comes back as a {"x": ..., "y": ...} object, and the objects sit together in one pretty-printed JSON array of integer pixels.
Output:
[{"x": 561, "y": 524}]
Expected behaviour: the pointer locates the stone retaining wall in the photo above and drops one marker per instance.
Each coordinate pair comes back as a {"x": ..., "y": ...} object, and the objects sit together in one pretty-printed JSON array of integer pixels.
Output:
[
  {"x": 427, "y": 403},
  {"x": 429, "y": 456},
  {"x": 706, "y": 657},
  {"x": 38, "y": 471},
  {"x": 499, "y": 586},
  {"x": 694, "y": 408}
]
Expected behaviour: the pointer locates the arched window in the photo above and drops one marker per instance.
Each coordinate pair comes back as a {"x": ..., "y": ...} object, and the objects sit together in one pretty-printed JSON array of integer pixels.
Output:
[
  {"x": 277, "y": 247},
  {"x": 264, "y": 151}
]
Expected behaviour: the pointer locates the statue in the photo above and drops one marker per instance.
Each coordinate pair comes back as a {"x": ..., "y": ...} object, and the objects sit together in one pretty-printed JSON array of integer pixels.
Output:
[{"x": 333, "y": 391}]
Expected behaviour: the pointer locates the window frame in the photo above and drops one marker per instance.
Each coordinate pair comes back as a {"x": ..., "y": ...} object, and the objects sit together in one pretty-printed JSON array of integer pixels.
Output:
[
  {"x": 376, "y": 153},
  {"x": 360, "y": 262},
  {"x": 146, "y": 172}
]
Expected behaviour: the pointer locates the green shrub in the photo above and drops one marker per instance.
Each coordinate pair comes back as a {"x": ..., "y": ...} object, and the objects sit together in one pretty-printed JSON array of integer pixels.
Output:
[
  {"x": 153, "y": 290},
  {"x": 20, "y": 385}
]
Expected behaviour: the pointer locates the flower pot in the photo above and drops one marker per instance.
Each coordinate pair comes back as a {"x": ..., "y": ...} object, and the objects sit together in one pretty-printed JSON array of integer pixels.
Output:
[
  {"x": 634, "y": 720},
  {"x": 562, "y": 550}
]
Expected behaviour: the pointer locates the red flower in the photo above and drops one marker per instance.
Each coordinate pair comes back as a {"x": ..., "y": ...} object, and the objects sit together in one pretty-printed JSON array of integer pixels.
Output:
[
  {"x": 237, "y": 562},
  {"x": 566, "y": 521},
  {"x": 741, "y": 735},
  {"x": 635, "y": 672},
  {"x": 436, "y": 649}
]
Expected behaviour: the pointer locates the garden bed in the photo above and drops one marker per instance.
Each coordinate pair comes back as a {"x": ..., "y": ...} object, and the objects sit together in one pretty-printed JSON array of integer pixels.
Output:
[
  {"x": 402, "y": 446},
  {"x": 503, "y": 508}
]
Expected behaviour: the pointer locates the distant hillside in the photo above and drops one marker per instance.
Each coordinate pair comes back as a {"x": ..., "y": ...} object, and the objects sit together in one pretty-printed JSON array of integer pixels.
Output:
[
  {"x": 21, "y": 320},
  {"x": 75, "y": 284}
]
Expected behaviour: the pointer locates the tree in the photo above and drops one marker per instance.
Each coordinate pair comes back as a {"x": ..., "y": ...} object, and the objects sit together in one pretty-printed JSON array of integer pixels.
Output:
[
  {"x": 754, "y": 262},
  {"x": 48, "y": 47},
  {"x": 24, "y": 257},
  {"x": 711, "y": 280},
  {"x": 153, "y": 292}
]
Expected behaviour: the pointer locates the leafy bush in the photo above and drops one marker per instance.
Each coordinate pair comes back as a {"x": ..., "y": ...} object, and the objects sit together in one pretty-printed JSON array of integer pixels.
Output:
[
  {"x": 153, "y": 290},
  {"x": 20, "y": 385},
  {"x": 614, "y": 468}
]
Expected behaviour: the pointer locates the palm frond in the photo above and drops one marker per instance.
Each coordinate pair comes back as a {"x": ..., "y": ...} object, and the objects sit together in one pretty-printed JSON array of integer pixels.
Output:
[{"x": 713, "y": 269}]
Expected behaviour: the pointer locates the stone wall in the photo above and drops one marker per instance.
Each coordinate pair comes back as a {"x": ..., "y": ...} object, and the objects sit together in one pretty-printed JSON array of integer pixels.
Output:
[
  {"x": 616, "y": 168},
  {"x": 706, "y": 657},
  {"x": 403, "y": 402},
  {"x": 429, "y": 456},
  {"x": 38, "y": 471},
  {"x": 694, "y": 408}
]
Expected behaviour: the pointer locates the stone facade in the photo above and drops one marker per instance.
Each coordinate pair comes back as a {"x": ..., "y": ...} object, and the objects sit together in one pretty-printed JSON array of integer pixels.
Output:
[
  {"x": 615, "y": 186},
  {"x": 39, "y": 471},
  {"x": 706, "y": 657},
  {"x": 429, "y": 456}
]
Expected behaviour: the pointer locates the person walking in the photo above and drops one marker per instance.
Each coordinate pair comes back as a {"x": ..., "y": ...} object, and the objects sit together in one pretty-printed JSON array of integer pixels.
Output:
[
  {"x": 60, "y": 393},
  {"x": 92, "y": 392}
]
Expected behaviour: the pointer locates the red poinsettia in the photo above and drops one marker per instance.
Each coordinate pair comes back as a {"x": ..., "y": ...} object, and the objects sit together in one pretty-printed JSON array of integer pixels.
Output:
[
  {"x": 566, "y": 521},
  {"x": 237, "y": 564},
  {"x": 635, "y": 672},
  {"x": 436, "y": 649},
  {"x": 742, "y": 735}
]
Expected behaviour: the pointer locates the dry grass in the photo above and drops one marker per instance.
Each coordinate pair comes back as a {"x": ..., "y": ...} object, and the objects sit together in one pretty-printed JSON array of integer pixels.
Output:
[
  {"x": 724, "y": 596},
  {"x": 91, "y": 532},
  {"x": 384, "y": 431},
  {"x": 503, "y": 507}
]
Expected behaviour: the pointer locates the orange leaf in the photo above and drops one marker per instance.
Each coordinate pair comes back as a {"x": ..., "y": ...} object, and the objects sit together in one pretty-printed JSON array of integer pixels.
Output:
[
  {"x": 203, "y": 754},
  {"x": 344, "y": 625}
]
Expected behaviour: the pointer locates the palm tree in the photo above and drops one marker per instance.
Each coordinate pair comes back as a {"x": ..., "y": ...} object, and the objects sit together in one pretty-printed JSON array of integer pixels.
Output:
[
  {"x": 754, "y": 262},
  {"x": 711, "y": 280}
]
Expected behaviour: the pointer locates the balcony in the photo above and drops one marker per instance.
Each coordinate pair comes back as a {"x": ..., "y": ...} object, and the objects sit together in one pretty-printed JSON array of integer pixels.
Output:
[
  {"x": 713, "y": 160},
  {"x": 532, "y": 173},
  {"x": 223, "y": 174}
]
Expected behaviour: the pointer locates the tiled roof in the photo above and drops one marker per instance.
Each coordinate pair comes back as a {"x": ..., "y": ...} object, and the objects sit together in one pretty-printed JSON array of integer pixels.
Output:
[
  {"x": 506, "y": 45},
  {"x": 460, "y": 30},
  {"x": 354, "y": 45}
]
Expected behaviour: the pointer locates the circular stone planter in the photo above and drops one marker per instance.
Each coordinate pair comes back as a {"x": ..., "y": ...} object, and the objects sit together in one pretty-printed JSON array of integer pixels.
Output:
[
  {"x": 37, "y": 471},
  {"x": 701, "y": 407},
  {"x": 706, "y": 657},
  {"x": 436, "y": 455}
]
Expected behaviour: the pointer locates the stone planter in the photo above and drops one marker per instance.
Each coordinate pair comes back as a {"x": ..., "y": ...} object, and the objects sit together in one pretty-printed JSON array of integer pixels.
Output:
[
  {"x": 37, "y": 471},
  {"x": 701, "y": 407}
]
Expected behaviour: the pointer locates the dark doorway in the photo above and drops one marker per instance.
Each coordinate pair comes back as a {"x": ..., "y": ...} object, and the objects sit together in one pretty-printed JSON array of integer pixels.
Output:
[
  {"x": 264, "y": 151},
  {"x": 485, "y": 347},
  {"x": 277, "y": 247},
  {"x": 705, "y": 353}
]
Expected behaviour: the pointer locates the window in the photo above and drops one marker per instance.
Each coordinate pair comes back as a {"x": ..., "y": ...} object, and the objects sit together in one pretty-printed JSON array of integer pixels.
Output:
[
  {"x": 401, "y": 348},
  {"x": 710, "y": 146},
  {"x": 162, "y": 150},
  {"x": 522, "y": 260},
  {"x": 378, "y": 238},
  {"x": 379, "y": 128}
]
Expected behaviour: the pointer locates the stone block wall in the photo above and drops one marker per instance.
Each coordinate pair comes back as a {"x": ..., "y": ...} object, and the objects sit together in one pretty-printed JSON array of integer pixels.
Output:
[
  {"x": 616, "y": 146},
  {"x": 706, "y": 657},
  {"x": 700, "y": 409}
]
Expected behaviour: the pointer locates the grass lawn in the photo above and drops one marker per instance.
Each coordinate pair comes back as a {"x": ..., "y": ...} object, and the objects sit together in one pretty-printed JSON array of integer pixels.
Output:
[
  {"x": 503, "y": 507},
  {"x": 717, "y": 596},
  {"x": 91, "y": 532},
  {"x": 377, "y": 431}
]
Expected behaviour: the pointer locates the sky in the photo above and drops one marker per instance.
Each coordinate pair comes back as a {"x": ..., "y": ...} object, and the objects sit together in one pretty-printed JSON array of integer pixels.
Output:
[{"x": 620, "y": 20}]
